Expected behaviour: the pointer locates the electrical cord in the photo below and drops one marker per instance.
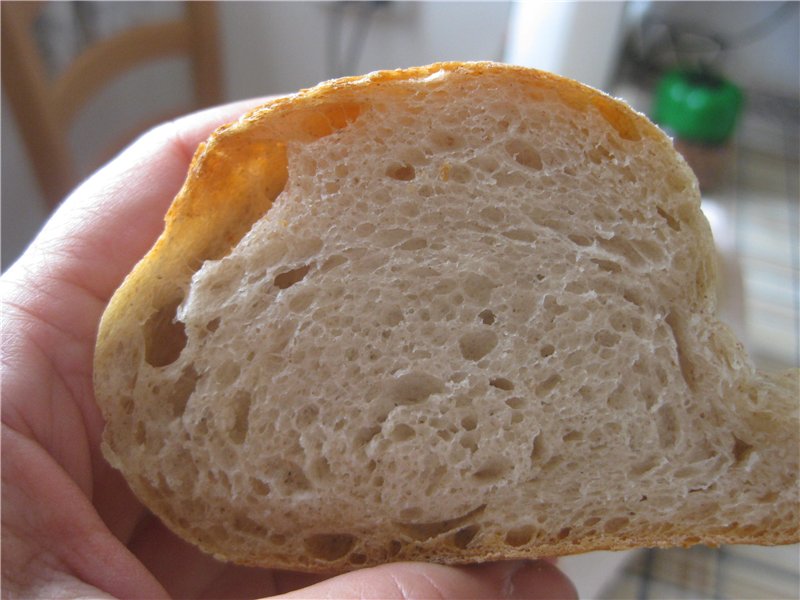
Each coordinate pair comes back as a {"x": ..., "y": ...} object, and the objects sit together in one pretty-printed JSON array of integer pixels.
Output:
[
  {"x": 658, "y": 44},
  {"x": 760, "y": 29}
]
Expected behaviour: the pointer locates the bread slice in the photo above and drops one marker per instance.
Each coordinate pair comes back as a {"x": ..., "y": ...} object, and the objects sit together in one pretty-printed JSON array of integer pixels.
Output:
[{"x": 453, "y": 313}]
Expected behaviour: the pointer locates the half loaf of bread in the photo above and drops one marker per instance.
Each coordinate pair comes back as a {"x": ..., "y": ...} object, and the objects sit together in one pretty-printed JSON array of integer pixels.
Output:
[{"x": 454, "y": 313}]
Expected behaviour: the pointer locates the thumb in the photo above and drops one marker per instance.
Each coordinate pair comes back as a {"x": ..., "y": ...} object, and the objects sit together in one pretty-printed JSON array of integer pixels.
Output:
[{"x": 404, "y": 581}]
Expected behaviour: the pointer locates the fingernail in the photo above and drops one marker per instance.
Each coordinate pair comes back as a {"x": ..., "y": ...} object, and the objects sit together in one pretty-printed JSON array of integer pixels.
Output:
[
  {"x": 512, "y": 568},
  {"x": 539, "y": 579}
]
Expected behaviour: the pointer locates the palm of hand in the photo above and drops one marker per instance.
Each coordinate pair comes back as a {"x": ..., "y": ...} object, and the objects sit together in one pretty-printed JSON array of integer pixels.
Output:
[{"x": 71, "y": 527}]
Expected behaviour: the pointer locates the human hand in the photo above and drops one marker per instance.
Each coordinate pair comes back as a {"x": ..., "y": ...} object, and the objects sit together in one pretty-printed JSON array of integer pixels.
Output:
[{"x": 71, "y": 526}]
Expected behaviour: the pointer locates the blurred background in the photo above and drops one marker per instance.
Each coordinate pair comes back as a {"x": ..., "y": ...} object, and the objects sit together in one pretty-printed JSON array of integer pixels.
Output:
[{"x": 82, "y": 79}]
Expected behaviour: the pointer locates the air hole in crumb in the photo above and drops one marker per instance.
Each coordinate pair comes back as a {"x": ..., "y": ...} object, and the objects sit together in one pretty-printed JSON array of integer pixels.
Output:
[
  {"x": 329, "y": 546},
  {"x": 320, "y": 469},
  {"x": 411, "y": 513},
  {"x": 277, "y": 539},
  {"x": 552, "y": 305},
  {"x": 227, "y": 373},
  {"x": 598, "y": 155},
  {"x": 666, "y": 426},
  {"x": 401, "y": 171},
  {"x": 394, "y": 548},
  {"x": 741, "y": 450},
  {"x": 546, "y": 386},
  {"x": 552, "y": 464},
  {"x": 487, "y": 317},
  {"x": 181, "y": 391},
  {"x": 412, "y": 388},
  {"x": 479, "y": 287},
  {"x": 649, "y": 249},
  {"x": 364, "y": 229},
  {"x": 306, "y": 415},
  {"x": 460, "y": 173},
  {"x": 357, "y": 559},
  {"x": 547, "y": 350},
  {"x": 426, "y": 531},
  {"x": 249, "y": 526},
  {"x": 515, "y": 403},
  {"x": 633, "y": 297},
  {"x": 392, "y": 316},
  {"x": 445, "y": 434},
  {"x": 259, "y": 487},
  {"x": 477, "y": 344},
  {"x": 580, "y": 240},
  {"x": 139, "y": 435},
  {"x": 673, "y": 223},
  {"x": 677, "y": 326},
  {"x": 241, "y": 416},
  {"x": 469, "y": 442},
  {"x": 572, "y": 436},
  {"x": 537, "y": 448},
  {"x": 607, "y": 265},
  {"x": 564, "y": 533},
  {"x": 287, "y": 476},
  {"x": 463, "y": 537},
  {"x": 302, "y": 301},
  {"x": 620, "y": 118},
  {"x": 623, "y": 248},
  {"x": 164, "y": 336},
  {"x": 469, "y": 423},
  {"x": 524, "y": 154},
  {"x": 520, "y": 235},
  {"x": 490, "y": 213},
  {"x": 333, "y": 262},
  {"x": 606, "y": 338},
  {"x": 492, "y": 470},
  {"x": 768, "y": 498},
  {"x": 445, "y": 140},
  {"x": 365, "y": 435},
  {"x": 414, "y": 244},
  {"x": 289, "y": 278},
  {"x": 615, "y": 524},
  {"x": 502, "y": 383},
  {"x": 213, "y": 324},
  {"x": 402, "y": 432},
  {"x": 520, "y": 536}
]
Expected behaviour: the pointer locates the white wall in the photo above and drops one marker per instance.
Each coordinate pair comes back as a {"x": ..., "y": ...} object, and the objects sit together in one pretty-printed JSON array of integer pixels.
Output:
[
  {"x": 580, "y": 40},
  {"x": 23, "y": 210}
]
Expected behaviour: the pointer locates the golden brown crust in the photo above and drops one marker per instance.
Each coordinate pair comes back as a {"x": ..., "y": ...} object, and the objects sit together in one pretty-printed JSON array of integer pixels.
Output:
[{"x": 234, "y": 178}]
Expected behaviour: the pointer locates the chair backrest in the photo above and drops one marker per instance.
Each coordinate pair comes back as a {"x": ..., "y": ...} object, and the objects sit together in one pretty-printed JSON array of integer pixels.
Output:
[{"x": 45, "y": 106}]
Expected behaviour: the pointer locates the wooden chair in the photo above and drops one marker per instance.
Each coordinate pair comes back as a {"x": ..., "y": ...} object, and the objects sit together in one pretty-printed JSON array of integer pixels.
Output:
[{"x": 45, "y": 107}]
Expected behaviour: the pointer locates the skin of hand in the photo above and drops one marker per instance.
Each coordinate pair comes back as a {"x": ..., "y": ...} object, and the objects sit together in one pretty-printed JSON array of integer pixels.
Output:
[{"x": 70, "y": 525}]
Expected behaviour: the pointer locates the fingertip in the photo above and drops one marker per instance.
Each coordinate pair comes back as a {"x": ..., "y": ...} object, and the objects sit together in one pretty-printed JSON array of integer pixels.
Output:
[
  {"x": 400, "y": 581},
  {"x": 540, "y": 579}
]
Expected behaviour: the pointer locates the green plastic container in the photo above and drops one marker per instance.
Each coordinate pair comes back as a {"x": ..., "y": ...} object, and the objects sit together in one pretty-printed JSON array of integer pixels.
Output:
[{"x": 697, "y": 106}]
